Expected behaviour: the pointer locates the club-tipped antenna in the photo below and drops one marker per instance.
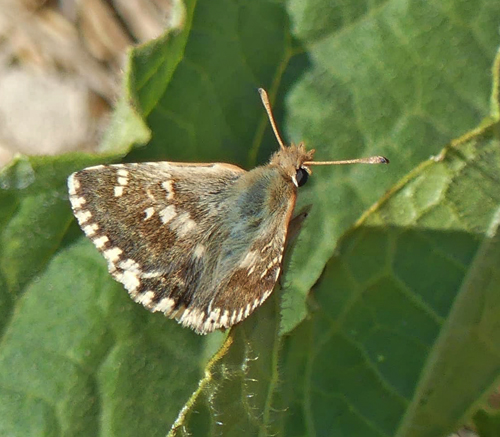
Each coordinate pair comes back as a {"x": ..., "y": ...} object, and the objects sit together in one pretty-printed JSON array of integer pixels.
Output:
[
  {"x": 267, "y": 105},
  {"x": 370, "y": 160}
]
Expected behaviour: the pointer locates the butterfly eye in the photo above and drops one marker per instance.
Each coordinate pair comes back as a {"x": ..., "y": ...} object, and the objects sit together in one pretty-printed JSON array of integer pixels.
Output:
[{"x": 301, "y": 176}]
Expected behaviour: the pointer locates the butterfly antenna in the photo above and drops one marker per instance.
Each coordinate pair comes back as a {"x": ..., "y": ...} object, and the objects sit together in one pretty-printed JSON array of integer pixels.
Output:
[
  {"x": 267, "y": 105},
  {"x": 370, "y": 160}
]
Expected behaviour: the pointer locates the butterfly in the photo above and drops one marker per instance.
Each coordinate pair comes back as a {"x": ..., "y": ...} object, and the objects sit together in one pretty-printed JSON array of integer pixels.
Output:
[{"x": 201, "y": 243}]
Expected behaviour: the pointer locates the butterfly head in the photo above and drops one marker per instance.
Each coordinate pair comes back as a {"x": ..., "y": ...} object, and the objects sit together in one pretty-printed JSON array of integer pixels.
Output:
[{"x": 292, "y": 162}]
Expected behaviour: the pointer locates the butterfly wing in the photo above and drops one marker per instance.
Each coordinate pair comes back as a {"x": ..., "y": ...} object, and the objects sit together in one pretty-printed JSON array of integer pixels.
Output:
[
  {"x": 201, "y": 243},
  {"x": 252, "y": 251}
]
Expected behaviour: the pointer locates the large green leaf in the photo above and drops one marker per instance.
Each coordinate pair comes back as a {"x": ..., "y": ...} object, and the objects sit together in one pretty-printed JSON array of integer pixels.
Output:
[
  {"x": 403, "y": 79},
  {"x": 405, "y": 337},
  {"x": 398, "y": 78}
]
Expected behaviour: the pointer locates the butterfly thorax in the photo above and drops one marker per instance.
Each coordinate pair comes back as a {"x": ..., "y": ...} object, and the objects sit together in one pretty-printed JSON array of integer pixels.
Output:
[{"x": 291, "y": 159}]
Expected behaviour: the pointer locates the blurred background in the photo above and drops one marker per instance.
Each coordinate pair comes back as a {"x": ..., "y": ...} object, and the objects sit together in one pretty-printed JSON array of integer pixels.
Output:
[{"x": 60, "y": 68}]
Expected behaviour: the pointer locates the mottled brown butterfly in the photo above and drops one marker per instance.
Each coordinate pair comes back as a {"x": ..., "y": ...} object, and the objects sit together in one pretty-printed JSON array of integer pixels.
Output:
[{"x": 202, "y": 243}]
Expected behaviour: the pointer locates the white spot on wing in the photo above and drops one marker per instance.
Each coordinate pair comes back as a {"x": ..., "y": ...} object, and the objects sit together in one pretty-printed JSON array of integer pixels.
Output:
[
  {"x": 183, "y": 224},
  {"x": 101, "y": 241},
  {"x": 167, "y": 214},
  {"x": 249, "y": 259},
  {"x": 240, "y": 315},
  {"x": 91, "y": 229},
  {"x": 265, "y": 296},
  {"x": 225, "y": 318},
  {"x": 168, "y": 186},
  {"x": 164, "y": 305},
  {"x": 118, "y": 191},
  {"x": 149, "y": 213},
  {"x": 233, "y": 317},
  {"x": 271, "y": 264},
  {"x": 73, "y": 184},
  {"x": 130, "y": 264},
  {"x": 193, "y": 317},
  {"x": 154, "y": 274},
  {"x": 182, "y": 316},
  {"x": 77, "y": 202},
  {"x": 146, "y": 298},
  {"x": 113, "y": 254},
  {"x": 215, "y": 314},
  {"x": 130, "y": 280},
  {"x": 186, "y": 227},
  {"x": 83, "y": 216},
  {"x": 199, "y": 250},
  {"x": 122, "y": 172},
  {"x": 123, "y": 181}
]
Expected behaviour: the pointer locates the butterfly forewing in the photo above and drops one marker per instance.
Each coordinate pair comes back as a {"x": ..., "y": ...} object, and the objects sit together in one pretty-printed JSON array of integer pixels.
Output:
[{"x": 185, "y": 239}]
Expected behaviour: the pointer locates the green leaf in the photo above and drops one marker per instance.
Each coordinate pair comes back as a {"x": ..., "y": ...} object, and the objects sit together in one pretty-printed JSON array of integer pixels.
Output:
[
  {"x": 77, "y": 357},
  {"x": 238, "y": 394},
  {"x": 34, "y": 215},
  {"x": 399, "y": 79},
  {"x": 405, "y": 337}
]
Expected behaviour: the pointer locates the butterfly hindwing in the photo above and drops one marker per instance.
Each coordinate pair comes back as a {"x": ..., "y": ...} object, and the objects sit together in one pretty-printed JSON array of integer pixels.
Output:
[
  {"x": 251, "y": 253},
  {"x": 201, "y": 243}
]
